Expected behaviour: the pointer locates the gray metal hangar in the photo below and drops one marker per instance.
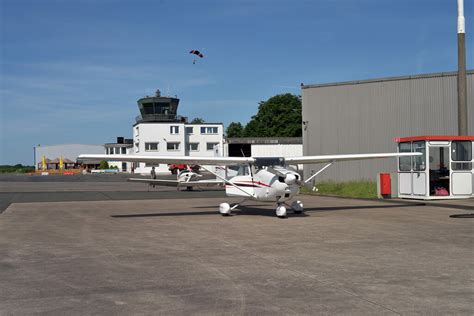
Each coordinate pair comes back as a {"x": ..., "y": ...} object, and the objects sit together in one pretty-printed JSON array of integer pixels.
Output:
[{"x": 366, "y": 116}]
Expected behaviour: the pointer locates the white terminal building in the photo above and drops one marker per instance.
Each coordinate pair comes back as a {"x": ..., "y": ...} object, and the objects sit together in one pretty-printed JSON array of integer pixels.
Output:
[{"x": 160, "y": 131}]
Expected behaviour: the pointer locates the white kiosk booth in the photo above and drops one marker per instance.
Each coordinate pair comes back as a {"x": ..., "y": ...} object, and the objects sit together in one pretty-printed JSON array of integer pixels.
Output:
[{"x": 444, "y": 171}]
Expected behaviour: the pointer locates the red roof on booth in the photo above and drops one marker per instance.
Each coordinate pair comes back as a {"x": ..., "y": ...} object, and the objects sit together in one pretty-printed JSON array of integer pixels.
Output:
[{"x": 432, "y": 137}]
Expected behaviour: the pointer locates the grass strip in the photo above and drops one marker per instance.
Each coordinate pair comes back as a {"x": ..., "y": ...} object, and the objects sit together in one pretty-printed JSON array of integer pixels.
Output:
[{"x": 356, "y": 189}]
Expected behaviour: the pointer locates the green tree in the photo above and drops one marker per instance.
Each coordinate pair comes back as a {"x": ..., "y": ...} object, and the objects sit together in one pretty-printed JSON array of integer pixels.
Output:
[
  {"x": 235, "y": 130},
  {"x": 279, "y": 116},
  {"x": 197, "y": 120},
  {"x": 103, "y": 165}
]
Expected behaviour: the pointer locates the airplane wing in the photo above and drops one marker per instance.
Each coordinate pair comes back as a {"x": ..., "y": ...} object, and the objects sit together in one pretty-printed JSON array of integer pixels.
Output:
[
  {"x": 174, "y": 183},
  {"x": 330, "y": 158},
  {"x": 223, "y": 161},
  {"x": 226, "y": 161}
]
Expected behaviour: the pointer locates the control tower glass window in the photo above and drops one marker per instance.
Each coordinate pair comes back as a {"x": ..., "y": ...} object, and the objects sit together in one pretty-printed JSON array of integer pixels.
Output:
[
  {"x": 161, "y": 108},
  {"x": 148, "y": 108},
  {"x": 156, "y": 108}
]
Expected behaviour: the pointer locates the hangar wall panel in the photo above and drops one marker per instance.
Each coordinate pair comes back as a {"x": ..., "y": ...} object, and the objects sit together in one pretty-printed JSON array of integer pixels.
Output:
[
  {"x": 281, "y": 150},
  {"x": 366, "y": 116}
]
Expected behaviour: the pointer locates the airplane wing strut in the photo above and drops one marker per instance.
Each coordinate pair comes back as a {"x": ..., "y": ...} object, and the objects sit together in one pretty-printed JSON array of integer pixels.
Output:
[{"x": 319, "y": 171}]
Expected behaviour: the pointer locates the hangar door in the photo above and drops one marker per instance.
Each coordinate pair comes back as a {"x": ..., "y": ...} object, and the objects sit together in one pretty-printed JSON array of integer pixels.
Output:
[{"x": 240, "y": 150}]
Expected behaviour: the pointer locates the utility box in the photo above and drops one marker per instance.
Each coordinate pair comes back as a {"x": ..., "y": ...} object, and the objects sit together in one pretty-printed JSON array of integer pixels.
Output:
[
  {"x": 385, "y": 184},
  {"x": 443, "y": 171}
]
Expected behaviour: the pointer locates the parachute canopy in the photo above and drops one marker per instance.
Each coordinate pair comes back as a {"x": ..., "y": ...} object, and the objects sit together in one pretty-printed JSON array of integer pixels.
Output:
[{"x": 197, "y": 53}]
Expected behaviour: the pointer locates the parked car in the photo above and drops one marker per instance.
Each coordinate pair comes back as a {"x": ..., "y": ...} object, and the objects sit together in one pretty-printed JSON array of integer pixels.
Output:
[{"x": 174, "y": 168}]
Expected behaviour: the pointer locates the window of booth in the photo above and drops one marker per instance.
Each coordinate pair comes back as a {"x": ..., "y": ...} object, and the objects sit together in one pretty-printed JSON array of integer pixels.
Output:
[
  {"x": 404, "y": 163},
  {"x": 419, "y": 161},
  {"x": 461, "y": 155}
]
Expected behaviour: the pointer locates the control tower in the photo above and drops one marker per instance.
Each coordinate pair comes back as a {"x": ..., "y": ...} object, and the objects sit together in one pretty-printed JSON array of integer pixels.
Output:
[{"x": 158, "y": 109}]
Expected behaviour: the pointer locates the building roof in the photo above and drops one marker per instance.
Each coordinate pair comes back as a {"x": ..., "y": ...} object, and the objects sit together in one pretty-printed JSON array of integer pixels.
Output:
[
  {"x": 421, "y": 76},
  {"x": 431, "y": 137},
  {"x": 107, "y": 145},
  {"x": 265, "y": 140},
  {"x": 205, "y": 123}
]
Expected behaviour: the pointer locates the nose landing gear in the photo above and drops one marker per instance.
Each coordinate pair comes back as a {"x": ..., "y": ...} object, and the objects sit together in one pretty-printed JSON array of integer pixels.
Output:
[
  {"x": 281, "y": 211},
  {"x": 224, "y": 209}
]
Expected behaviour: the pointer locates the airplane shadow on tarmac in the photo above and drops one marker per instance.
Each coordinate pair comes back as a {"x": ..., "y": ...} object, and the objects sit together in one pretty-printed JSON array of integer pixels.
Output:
[{"x": 252, "y": 211}]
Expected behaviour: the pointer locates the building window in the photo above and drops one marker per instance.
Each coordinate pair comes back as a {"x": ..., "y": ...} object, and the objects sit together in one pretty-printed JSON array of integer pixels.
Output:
[
  {"x": 137, "y": 131},
  {"x": 151, "y": 146},
  {"x": 124, "y": 150},
  {"x": 210, "y": 146},
  {"x": 174, "y": 129},
  {"x": 172, "y": 146},
  {"x": 208, "y": 130},
  {"x": 137, "y": 147},
  {"x": 189, "y": 130},
  {"x": 193, "y": 146}
]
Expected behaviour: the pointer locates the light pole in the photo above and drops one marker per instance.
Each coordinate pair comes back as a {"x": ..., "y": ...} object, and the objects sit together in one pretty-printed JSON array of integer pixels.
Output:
[{"x": 462, "y": 86}]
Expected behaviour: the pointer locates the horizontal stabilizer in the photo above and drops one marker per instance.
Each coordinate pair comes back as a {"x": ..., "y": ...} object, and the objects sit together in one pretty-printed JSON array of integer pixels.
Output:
[{"x": 174, "y": 183}]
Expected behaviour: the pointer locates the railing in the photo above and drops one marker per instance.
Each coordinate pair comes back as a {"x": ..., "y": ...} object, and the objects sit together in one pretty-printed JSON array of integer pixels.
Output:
[{"x": 160, "y": 118}]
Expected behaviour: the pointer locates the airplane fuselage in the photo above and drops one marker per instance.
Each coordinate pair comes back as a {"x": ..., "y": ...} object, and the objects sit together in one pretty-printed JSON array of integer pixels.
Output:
[{"x": 265, "y": 186}]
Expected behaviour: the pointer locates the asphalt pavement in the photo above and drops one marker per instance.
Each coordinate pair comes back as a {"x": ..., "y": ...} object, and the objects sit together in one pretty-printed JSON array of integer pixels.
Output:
[{"x": 175, "y": 255}]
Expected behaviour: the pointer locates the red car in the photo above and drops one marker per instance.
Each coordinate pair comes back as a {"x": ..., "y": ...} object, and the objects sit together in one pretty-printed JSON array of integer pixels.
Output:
[{"x": 174, "y": 168}]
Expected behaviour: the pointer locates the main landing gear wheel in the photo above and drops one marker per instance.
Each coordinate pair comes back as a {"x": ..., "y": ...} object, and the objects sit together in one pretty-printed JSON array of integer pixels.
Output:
[
  {"x": 224, "y": 209},
  {"x": 297, "y": 207},
  {"x": 281, "y": 211}
]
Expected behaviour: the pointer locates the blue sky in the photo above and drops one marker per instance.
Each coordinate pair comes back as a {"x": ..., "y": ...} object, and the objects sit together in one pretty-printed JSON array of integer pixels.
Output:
[{"x": 72, "y": 71}]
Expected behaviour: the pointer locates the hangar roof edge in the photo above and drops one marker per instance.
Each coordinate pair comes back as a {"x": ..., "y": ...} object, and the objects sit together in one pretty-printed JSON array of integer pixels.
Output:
[
  {"x": 354, "y": 82},
  {"x": 265, "y": 140}
]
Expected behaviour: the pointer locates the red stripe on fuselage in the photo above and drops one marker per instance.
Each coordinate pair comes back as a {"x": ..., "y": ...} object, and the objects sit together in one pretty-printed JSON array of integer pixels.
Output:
[
  {"x": 258, "y": 183},
  {"x": 247, "y": 185},
  {"x": 251, "y": 184}
]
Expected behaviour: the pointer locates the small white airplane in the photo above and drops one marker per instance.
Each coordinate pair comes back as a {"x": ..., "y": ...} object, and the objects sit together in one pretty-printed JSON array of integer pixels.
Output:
[
  {"x": 265, "y": 179},
  {"x": 185, "y": 178}
]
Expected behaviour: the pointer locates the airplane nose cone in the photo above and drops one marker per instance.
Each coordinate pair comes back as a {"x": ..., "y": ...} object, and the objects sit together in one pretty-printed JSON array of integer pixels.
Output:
[{"x": 290, "y": 179}]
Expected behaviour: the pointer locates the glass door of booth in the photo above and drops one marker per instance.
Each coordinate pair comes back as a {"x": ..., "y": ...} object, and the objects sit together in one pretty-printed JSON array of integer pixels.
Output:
[
  {"x": 461, "y": 168},
  {"x": 412, "y": 170},
  {"x": 439, "y": 169}
]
